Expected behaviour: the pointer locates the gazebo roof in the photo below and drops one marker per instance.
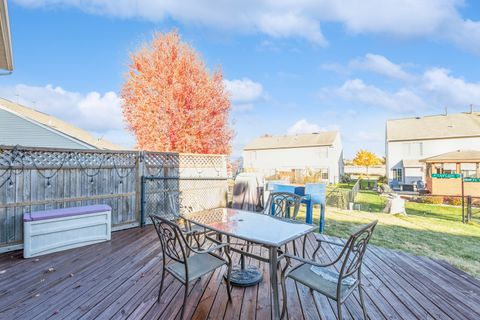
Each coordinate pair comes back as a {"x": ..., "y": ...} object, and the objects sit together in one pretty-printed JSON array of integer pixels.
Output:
[{"x": 472, "y": 156}]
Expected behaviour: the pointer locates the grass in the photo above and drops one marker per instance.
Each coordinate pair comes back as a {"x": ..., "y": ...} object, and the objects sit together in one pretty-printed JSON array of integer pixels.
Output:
[{"x": 429, "y": 230}]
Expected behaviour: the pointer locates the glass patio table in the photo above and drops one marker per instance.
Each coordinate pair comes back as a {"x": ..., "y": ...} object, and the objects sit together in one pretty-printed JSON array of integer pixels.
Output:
[{"x": 268, "y": 231}]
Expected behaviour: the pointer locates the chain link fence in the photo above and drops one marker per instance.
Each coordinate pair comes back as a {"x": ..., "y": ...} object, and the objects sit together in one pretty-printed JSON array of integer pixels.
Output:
[{"x": 187, "y": 195}]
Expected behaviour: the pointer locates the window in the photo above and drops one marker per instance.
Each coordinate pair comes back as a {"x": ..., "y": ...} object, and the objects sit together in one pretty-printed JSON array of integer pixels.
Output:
[
  {"x": 324, "y": 175},
  {"x": 469, "y": 170},
  {"x": 398, "y": 175}
]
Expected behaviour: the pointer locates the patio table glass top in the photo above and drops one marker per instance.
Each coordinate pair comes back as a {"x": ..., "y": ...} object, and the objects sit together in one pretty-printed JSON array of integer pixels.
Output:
[{"x": 250, "y": 226}]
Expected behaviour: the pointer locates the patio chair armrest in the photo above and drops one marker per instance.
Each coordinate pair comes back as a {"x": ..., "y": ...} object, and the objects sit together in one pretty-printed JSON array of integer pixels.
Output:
[
  {"x": 307, "y": 261},
  {"x": 329, "y": 241}
]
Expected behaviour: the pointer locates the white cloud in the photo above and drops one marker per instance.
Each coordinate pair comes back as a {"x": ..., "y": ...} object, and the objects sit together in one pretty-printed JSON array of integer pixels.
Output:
[
  {"x": 303, "y": 126},
  {"x": 356, "y": 90},
  {"x": 98, "y": 113},
  {"x": 291, "y": 25},
  {"x": 299, "y": 18},
  {"x": 451, "y": 91},
  {"x": 381, "y": 65},
  {"x": 244, "y": 93},
  {"x": 243, "y": 90}
]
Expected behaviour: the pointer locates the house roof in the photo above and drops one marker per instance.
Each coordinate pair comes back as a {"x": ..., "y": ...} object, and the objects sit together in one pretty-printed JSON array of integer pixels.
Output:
[
  {"x": 57, "y": 125},
  {"x": 456, "y": 156},
  {"x": 458, "y": 125},
  {"x": 6, "y": 57},
  {"x": 296, "y": 141}
]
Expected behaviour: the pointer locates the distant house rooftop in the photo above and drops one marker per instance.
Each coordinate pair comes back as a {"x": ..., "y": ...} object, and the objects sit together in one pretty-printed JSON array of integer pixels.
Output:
[
  {"x": 24, "y": 126},
  {"x": 456, "y": 156},
  {"x": 457, "y": 125},
  {"x": 294, "y": 141}
]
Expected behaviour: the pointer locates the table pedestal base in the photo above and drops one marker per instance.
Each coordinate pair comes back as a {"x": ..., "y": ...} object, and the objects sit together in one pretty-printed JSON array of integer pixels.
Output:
[{"x": 245, "y": 277}]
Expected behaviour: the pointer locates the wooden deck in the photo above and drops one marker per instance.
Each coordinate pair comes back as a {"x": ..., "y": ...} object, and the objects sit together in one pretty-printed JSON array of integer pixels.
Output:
[{"x": 120, "y": 279}]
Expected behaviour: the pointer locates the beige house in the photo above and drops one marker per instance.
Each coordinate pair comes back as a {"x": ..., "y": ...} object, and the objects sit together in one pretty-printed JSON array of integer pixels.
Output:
[
  {"x": 412, "y": 139},
  {"x": 320, "y": 152}
]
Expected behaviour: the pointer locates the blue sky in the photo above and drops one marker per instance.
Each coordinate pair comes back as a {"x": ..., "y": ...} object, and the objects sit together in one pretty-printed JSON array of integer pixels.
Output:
[{"x": 291, "y": 66}]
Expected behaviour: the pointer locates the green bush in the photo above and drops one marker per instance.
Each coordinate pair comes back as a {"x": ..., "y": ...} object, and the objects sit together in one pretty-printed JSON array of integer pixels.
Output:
[
  {"x": 383, "y": 180},
  {"x": 433, "y": 199},
  {"x": 346, "y": 178}
]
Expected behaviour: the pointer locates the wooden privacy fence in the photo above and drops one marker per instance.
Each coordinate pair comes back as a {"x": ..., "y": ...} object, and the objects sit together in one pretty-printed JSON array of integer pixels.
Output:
[{"x": 37, "y": 179}]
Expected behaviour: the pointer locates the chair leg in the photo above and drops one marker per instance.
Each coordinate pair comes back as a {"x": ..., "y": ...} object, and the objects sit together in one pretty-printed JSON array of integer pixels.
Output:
[
  {"x": 362, "y": 301},
  {"x": 229, "y": 286},
  {"x": 184, "y": 301},
  {"x": 284, "y": 295},
  {"x": 339, "y": 310},
  {"x": 161, "y": 284}
]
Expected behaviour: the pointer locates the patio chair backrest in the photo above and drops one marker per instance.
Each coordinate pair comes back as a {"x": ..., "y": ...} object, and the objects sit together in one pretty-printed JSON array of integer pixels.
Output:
[
  {"x": 171, "y": 238},
  {"x": 280, "y": 203},
  {"x": 355, "y": 249},
  {"x": 174, "y": 202}
]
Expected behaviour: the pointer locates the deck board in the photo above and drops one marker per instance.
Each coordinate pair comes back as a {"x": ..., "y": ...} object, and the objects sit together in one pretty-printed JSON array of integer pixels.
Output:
[{"x": 119, "y": 280}]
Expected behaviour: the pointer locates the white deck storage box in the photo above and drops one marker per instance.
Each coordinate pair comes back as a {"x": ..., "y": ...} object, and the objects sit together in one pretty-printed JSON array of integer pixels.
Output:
[{"x": 61, "y": 229}]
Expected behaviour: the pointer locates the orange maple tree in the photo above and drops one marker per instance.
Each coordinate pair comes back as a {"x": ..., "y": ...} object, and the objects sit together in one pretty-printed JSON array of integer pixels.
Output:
[{"x": 172, "y": 103}]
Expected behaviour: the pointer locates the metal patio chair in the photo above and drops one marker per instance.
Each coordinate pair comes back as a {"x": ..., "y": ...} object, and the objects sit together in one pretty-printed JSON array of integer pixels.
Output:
[
  {"x": 285, "y": 205},
  {"x": 187, "y": 267},
  {"x": 279, "y": 204},
  {"x": 321, "y": 277}
]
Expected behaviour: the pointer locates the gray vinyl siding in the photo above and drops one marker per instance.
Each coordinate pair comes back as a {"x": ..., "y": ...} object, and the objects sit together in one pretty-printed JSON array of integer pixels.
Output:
[{"x": 15, "y": 130}]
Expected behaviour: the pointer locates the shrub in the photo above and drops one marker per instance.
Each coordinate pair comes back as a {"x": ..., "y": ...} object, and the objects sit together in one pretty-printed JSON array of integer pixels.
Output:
[
  {"x": 433, "y": 199},
  {"x": 454, "y": 201},
  {"x": 383, "y": 180},
  {"x": 346, "y": 178}
]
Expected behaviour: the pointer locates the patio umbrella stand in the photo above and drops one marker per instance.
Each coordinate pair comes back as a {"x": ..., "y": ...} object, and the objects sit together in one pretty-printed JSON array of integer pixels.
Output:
[{"x": 245, "y": 276}]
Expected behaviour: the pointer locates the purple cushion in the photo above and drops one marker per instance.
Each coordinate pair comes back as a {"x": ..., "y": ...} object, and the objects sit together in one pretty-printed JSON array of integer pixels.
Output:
[{"x": 65, "y": 212}]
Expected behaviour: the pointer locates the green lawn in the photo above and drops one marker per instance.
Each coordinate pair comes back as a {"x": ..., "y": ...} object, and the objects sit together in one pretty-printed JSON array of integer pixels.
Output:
[{"x": 429, "y": 230}]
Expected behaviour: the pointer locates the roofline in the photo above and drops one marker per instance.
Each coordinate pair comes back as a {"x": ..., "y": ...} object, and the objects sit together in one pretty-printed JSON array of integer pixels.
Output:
[
  {"x": 7, "y": 39},
  {"x": 441, "y": 138},
  {"x": 291, "y": 147},
  {"x": 76, "y": 140},
  {"x": 432, "y": 115},
  {"x": 450, "y": 161}
]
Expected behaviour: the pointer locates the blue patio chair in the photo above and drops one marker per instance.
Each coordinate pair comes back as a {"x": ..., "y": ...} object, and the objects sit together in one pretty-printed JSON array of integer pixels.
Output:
[
  {"x": 187, "y": 267},
  {"x": 321, "y": 277}
]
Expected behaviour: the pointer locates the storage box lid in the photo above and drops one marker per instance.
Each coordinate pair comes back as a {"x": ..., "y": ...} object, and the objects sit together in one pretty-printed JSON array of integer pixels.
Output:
[{"x": 65, "y": 212}]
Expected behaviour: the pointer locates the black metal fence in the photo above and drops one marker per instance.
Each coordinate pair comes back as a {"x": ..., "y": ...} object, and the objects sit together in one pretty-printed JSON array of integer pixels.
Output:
[{"x": 189, "y": 193}]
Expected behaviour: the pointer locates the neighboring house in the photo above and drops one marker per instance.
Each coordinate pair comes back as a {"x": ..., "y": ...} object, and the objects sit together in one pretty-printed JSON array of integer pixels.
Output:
[
  {"x": 27, "y": 127},
  {"x": 412, "y": 139},
  {"x": 315, "y": 152}
]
